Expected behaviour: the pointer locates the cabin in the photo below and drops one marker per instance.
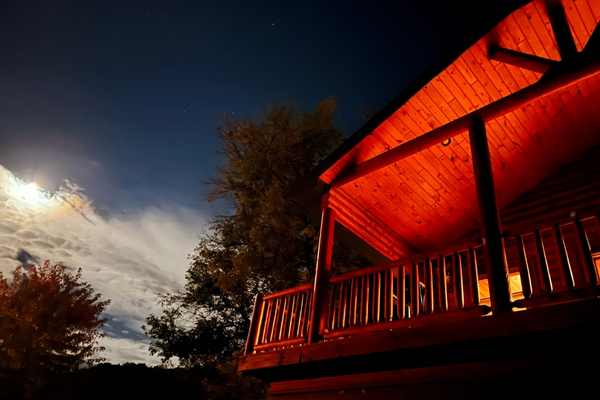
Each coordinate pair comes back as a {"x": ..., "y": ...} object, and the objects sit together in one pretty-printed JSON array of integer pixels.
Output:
[{"x": 480, "y": 190}]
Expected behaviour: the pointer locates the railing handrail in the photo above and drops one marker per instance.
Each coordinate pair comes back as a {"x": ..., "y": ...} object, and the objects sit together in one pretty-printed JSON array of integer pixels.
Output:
[
  {"x": 405, "y": 261},
  {"x": 285, "y": 292},
  {"x": 514, "y": 230},
  {"x": 364, "y": 271}
]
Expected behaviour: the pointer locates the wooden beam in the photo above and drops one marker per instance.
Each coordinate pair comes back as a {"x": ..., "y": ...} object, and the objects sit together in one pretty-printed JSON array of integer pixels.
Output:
[
  {"x": 560, "y": 27},
  {"x": 493, "y": 251},
  {"x": 521, "y": 60},
  {"x": 318, "y": 312},
  {"x": 563, "y": 75},
  {"x": 401, "y": 244}
]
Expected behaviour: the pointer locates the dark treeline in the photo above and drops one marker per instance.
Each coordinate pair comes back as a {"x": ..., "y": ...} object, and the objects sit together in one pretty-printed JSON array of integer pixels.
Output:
[{"x": 134, "y": 381}]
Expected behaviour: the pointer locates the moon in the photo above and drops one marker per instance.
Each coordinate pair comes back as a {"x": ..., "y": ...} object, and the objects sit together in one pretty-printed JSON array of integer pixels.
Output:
[{"x": 30, "y": 194}]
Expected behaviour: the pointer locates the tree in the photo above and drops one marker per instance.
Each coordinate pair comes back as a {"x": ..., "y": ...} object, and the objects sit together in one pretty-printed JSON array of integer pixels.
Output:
[
  {"x": 49, "y": 321},
  {"x": 267, "y": 243}
]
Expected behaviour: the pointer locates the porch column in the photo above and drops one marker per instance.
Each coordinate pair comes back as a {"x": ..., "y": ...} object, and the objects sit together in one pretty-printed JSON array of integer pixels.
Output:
[
  {"x": 490, "y": 221},
  {"x": 319, "y": 306}
]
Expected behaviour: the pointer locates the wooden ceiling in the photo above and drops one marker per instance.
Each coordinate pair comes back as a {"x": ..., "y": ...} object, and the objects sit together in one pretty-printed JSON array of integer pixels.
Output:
[{"x": 427, "y": 201}]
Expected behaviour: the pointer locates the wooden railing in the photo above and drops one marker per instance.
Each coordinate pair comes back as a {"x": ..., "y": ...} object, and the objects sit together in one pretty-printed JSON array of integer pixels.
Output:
[
  {"x": 546, "y": 264},
  {"x": 555, "y": 260},
  {"x": 404, "y": 290},
  {"x": 280, "y": 319}
]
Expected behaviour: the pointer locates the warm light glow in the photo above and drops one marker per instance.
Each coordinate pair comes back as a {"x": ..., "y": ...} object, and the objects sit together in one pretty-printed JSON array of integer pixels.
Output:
[{"x": 30, "y": 194}]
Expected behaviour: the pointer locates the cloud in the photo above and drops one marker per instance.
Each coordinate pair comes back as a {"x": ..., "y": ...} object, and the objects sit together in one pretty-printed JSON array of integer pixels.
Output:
[{"x": 130, "y": 259}]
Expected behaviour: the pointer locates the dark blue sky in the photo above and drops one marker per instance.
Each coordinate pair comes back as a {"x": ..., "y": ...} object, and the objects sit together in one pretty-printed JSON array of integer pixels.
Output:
[{"x": 125, "y": 99}]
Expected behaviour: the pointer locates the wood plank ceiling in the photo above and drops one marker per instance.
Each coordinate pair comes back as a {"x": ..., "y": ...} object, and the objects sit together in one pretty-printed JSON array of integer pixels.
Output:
[{"x": 427, "y": 201}]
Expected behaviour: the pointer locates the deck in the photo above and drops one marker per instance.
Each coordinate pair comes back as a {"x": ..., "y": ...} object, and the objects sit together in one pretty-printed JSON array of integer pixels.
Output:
[{"x": 421, "y": 302}]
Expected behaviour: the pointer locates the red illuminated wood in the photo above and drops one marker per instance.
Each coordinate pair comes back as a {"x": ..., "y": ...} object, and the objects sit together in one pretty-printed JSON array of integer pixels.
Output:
[
  {"x": 520, "y": 59},
  {"x": 402, "y": 293},
  {"x": 586, "y": 250},
  {"x": 543, "y": 260},
  {"x": 284, "y": 318},
  {"x": 490, "y": 221},
  {"x": 255, "y": 321},
  {"x": 415, "y": 305},
  {"x": 318, "y": 314},
  {"x": 571, "y": 74},
  {"x": 564, "y": 257},
  {"x": 459, "y": 278},
  {"x": 276, "y": 319},
  {"x": 268, "y": 322},
  {"x": 443, "y": 283},
  {"x": 524, "y": 269},
  {"x": 474, "y": 268},
  {"x": 430, "y": 288},
  {"x": 286, "y": 292},
  {"x": 560, "y": 27}
]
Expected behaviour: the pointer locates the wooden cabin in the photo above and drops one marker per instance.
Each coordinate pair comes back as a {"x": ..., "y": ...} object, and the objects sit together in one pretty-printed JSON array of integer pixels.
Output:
[{"x": 481, "y": 190}]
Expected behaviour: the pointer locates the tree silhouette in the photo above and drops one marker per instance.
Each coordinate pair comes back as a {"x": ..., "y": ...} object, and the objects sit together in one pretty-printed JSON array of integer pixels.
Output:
[
  {"x": 266, "y": 243},
  {"x": 49, "y": 321}
]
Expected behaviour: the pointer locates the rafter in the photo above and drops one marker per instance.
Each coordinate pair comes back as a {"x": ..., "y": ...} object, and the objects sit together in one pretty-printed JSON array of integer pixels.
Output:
[
  {"x": 381, "y": 231},
  {"x": 563, "y": 75},
  {"x": 560, "y": 27},
  {"x": 521, "y": 60}
]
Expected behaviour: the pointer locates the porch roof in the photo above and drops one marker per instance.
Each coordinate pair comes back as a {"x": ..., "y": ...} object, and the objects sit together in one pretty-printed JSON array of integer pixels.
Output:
[{"x": 427, "y": 200}]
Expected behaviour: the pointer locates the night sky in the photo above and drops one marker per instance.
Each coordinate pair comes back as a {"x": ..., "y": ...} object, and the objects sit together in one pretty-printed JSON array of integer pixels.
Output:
[{"x": 125, "y": 100}]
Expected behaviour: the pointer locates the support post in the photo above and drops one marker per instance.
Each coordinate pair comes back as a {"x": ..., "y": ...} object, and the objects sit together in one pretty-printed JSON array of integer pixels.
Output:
[
  {"x": 490, "y": 220},
  {"x": 319, "y": 306},
  {"x": 255, "y": 321}
]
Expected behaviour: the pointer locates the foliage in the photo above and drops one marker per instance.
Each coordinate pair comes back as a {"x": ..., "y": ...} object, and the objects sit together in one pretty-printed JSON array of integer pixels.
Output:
[
  {"x": 266, "y": 243},
  {"x": 49, "y": 320},
  {"x": 139, "y": 381}
]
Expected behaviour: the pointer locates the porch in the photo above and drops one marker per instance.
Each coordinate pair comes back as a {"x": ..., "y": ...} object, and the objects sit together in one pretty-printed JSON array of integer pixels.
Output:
[
  {"x": 555, "y": 263},
  {"x": 481, "y": 190}
]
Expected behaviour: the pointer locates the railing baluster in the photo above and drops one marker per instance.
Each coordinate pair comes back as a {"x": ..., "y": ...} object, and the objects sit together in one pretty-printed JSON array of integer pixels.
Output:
[
  {"x": 373, "y": 298},
  {"x": 414, "y": 298},
  {"x": 453, "y": 281},
  {"x": 402, "y": 292},
  {"x": 336, "y": 306},
  {"x": 354, "y": 294},
  {"x": 351, "y": 303},
  {"x": 284, "y": 318},
  {"x": 468, "y": 280},
  {"x": 443, "y": 283},
  {"x": 564, "y": 257},
  {"x": 340, "y": 319},
  {"x": 332, "y": 309},
  {"x": 524, "y": 270},
  {"x": 474, "y": 276},
  {"x": 300, "y": 314},
  {"x": 460, "y": 293},
  {"x": 586, "y": 249},
  {"x": 539, "y": 243},
  {"x": 363, "y": 289},
  {"x": 344, "y": 309},
  {"x": 367, "y": 299},
  {"x": 385, "y": 297},
  {"x": 302, "y": 327},
  {"x": 255, "y": 324},
  {"x": 293, "y": 316},
  {"x": 390, "y": 285},
  {"x": 275, "y": 320},
  {"x": 377, "y": 294},
  {"x": 266, "y": 332},
  {"x": 430, "y": 290}
]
